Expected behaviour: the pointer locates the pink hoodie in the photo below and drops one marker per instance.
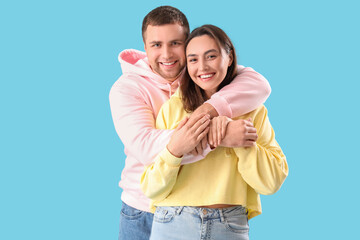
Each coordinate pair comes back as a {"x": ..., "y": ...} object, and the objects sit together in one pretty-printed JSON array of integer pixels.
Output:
[{"x": 135, "y": 100}]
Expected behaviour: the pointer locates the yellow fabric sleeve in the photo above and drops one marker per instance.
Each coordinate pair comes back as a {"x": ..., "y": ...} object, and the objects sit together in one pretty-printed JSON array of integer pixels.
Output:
[
  {"x": 159, "y": 178},
  {"x": 264, "y": 166}
]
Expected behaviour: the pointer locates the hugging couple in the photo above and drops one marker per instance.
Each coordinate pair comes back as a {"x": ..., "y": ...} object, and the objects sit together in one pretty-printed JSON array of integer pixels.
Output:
[{"x": 198, "y": 142}]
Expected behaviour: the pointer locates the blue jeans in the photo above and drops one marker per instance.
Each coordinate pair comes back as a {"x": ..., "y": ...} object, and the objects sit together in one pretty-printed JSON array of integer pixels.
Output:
[
  {"x": 178, "y": 223},
  {"x": 134, "y": 224}
]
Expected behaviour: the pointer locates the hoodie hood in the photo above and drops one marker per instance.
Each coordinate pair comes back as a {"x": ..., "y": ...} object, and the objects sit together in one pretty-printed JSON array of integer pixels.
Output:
[{"x": 134, "y": 62}]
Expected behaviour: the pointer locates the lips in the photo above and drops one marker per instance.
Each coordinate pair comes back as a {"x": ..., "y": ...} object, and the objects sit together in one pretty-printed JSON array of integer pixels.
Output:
[
  {"x": 206, "y": 77},
  {"x": 168, "y": 64}
]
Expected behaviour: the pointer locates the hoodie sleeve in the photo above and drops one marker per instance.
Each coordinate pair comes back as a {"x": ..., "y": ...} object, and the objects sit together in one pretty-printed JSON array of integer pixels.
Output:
[
  {"x": 134, "y": 122},
  {"x": 244, "y": 94},
  {"x": 159, "y": 178}
]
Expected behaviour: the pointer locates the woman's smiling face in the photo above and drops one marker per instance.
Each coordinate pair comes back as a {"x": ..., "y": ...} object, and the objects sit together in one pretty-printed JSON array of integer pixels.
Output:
[{"x": 207, "y": 63}]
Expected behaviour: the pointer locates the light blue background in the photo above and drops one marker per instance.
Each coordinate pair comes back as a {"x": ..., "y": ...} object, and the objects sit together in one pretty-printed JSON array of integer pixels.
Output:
[{"x": 61, "y": 159}]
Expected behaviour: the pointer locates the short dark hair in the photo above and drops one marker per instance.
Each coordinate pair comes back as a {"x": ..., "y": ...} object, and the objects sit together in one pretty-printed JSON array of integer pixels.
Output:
[
  {"x": 165, "y": 15},
  {"x": 192, "y": 95}
]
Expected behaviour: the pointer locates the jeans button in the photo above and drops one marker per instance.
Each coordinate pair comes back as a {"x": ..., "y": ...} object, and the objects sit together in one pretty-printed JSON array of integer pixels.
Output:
[{"x": 204, "y": 211}]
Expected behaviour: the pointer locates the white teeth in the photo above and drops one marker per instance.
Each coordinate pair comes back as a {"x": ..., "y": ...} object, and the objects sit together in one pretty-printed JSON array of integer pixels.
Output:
[
  {"x": 168, "y": 64},
  {"x": 206, "y": 76}
]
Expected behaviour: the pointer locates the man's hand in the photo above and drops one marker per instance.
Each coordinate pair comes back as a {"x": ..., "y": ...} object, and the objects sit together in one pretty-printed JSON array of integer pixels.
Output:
[
  {"x": 206, "y": 108},
  {"x": 188, "y": 134},
  {"x": 199, "y": 149},
  {"x": 240, "y": 133}
]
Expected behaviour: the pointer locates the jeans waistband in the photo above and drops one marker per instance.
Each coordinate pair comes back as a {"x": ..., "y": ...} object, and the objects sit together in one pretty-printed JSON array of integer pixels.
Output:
[{"x": 208, "y": 213}]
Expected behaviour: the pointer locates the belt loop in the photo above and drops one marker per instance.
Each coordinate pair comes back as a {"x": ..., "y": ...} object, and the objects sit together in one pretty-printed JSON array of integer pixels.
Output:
[
  {"x": 179, "y": 210},
  {"x": 221, "y": 215}
]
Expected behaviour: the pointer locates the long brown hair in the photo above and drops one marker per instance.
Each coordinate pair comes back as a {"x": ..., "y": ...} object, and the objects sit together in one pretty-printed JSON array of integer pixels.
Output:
[{"x": 192, "y": 95}]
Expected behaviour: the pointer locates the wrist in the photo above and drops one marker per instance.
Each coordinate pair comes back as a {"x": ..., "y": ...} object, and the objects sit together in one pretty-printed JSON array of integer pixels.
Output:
[
  {"x": 228, "y": 140},
  {"x": 173, "y": 152},
  {"x": 207, "y": 108}
]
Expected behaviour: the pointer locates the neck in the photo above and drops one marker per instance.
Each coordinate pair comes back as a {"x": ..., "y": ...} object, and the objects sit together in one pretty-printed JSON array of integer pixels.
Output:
[{"x": 209, "y": 93}]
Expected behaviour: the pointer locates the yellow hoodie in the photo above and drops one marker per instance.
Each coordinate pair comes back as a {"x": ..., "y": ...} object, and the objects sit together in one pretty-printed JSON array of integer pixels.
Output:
[{"x": 233, "y": 176}]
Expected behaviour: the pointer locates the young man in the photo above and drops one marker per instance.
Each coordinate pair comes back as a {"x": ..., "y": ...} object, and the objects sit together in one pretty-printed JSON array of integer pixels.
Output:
[{"x": 148, "y": 81}]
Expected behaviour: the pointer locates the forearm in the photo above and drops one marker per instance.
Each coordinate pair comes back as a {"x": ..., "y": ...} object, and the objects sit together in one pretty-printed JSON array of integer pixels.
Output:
[
  {"x": 245, "y": 93},
  {"x": 190, "y": 158},
  {"x": 231, "y": 135},
  {"x": 263, "y": 168},
  {"x": 135, "y": 124}
]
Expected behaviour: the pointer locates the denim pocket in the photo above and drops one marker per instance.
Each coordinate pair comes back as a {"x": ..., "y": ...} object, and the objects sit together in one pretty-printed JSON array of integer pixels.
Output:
[
  {"x": 130, "y": 212},
  {"x": 164, "y": 215},
  {"x": 237, "y": 223}
]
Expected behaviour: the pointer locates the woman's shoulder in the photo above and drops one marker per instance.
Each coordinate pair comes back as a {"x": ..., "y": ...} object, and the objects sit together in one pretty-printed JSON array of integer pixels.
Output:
[
  {"x": 171, "y": 112},
  {"x": 260, "y": 111}
]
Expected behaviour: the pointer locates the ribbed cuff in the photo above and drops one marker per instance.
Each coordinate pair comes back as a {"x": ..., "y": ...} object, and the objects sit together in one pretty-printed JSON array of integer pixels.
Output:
[
  {"x": 170, "y": 159},
  {"x": 221, "y": 105}
]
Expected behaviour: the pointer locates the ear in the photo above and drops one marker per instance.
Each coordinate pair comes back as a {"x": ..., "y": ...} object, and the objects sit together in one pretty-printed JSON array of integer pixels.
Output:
[
  {"x": 144, "y": 41},
  {"x": 231, "y": 58}
]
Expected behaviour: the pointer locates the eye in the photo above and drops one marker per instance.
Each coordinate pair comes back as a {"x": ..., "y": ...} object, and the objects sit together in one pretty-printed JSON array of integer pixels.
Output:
[
  {"x": 192, "y": 60},
  {"x": 156, "y": 45},
  {"x": 211, "y": 57},
  {"x": 176, "y": 43}
]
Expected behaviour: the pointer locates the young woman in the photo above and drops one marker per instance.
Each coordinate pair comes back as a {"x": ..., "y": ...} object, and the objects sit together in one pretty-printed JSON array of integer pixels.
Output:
[{"x": 215, "y": 197}]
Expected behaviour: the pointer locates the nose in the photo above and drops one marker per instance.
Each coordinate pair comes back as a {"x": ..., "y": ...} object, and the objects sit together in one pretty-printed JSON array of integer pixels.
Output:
[
  {"x": 203, "y": 65},
  {"x": 167, "y": 53}
]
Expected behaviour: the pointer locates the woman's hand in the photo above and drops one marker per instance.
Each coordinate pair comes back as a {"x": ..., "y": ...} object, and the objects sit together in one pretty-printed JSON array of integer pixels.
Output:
[
  {"x": 188, "y": 135},
  {"x": 217, "y": 131}
]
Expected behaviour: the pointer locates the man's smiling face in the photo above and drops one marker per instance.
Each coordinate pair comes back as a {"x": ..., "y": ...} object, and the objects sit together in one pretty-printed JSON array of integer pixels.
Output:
[{"x": 164, "y": 46}]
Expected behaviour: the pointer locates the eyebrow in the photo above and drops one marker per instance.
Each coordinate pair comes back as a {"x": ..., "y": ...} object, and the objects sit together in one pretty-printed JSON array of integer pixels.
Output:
[
  {"x": 208, "y": 51},
  {"x": 175, "y": 40}
]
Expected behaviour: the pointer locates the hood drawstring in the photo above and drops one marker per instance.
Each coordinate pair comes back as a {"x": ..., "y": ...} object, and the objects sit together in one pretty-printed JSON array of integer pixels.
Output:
[{"x": 170, "y": 90}]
